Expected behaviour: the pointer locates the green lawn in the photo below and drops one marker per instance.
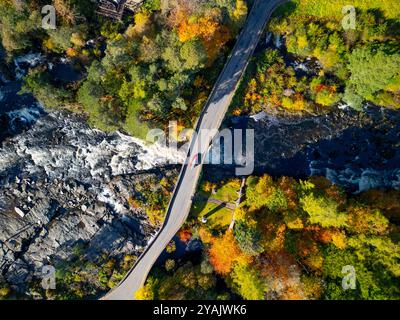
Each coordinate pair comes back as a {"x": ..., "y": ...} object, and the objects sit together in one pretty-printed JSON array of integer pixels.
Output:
[
  {"x": 217, "y": 215},
  {"x": 228, "y": 192}
]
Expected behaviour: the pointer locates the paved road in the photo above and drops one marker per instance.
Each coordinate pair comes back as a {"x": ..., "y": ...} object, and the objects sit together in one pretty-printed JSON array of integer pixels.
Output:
[{"x": 207, "y": 125}]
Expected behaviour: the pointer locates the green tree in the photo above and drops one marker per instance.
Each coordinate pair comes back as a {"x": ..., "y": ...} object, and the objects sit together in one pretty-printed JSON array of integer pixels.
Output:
[
  {"x": 193, "y": 54},
  {"x": 371, "y": 71},
  {"x": 38, "y": 82},
  {"x": 323, "y": 211},
  {"x": 19, "y": 26},
  {"x": 247, "y": 282},
  {"x": 248, "y": 238},
  {"x": 59, "y": 39}
]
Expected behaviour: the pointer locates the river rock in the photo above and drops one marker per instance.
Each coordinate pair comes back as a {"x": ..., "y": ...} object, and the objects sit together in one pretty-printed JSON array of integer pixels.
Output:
[{"x": 63, "y": 184}]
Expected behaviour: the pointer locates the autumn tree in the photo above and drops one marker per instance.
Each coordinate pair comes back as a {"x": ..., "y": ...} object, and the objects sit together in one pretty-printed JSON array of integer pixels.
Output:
[
  {"x": 246, "y": 281},
  {"x": 146, "y": 292},
  {"x": 223, "y": 252},
  {"x": 323, "y": 211},
  {"x": 367, "y": 221},
  {"x": 263, "y": 192},
  {"x": 248, "y": 237}
]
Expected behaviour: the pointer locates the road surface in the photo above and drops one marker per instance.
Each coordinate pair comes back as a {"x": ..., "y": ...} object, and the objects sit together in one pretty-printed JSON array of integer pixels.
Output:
[{"x": 209, "y": 122}]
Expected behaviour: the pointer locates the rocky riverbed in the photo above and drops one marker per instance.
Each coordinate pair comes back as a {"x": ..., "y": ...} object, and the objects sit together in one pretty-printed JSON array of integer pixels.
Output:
[
  {"x": 63, "y": 184},
  {"x": 355, "y": 150}
]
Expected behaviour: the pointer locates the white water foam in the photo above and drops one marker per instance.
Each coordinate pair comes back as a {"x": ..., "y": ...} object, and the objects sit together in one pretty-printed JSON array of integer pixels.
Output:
[
  {"x": 278, "y": 41},
  {"x": 31, "y": 59},
  {"x": 297, "y": 65},
  {"x": 106, "y": 196},
  {"x": 155, "y": 154}
]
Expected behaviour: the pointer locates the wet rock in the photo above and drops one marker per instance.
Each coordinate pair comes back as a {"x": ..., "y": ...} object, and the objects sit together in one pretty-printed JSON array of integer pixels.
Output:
[
  {"x": 355, "y": 150},
  {"x": 18, "y": 274},
  {"x": 63, "y": 184},
  {"x": 19, "y": 212},
  {"x": 194, "y": 245}
]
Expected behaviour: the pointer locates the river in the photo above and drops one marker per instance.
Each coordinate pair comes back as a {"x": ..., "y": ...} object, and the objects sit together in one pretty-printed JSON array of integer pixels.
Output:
[{"x": 355, "y": 150}]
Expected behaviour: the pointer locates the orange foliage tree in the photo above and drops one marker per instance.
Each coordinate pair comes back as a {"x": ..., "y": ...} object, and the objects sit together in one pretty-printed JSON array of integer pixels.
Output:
[
  {"x": 223, "y": 252},
  {"x": 184, "y": 235},
  {"x": 207, "y": 28}
]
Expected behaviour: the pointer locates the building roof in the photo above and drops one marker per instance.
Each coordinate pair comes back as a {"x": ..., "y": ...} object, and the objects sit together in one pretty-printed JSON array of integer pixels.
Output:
[{"x": 115, "y": 8}]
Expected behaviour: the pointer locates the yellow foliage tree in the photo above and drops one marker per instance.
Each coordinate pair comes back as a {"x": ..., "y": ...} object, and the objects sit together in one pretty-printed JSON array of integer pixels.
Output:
[
  {"x": 206, "y": 28},
  {"x": 240, "y": 13},
  {"x": 142, "y": 25},
  {"x": 77, "y": 40},
  {"x": 339, "y": 239},
  {"x": 203, "y": 28},
  {"x": 145, "y": 292},
  {"x": 65, "y": 11}
]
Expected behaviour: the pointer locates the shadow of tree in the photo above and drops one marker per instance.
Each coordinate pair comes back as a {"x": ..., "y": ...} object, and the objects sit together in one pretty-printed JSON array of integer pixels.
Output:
[{"x": 216, "y": 209}]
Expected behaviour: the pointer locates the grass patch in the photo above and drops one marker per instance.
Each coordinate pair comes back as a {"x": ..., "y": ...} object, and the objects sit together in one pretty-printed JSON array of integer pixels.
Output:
[
  {"x": 228, "y": 192},
  {"x": 217, "y": 215}
]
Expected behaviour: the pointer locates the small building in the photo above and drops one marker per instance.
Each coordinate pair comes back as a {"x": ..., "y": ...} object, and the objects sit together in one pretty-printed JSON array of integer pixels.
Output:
[{"x": 115, "y": 8}]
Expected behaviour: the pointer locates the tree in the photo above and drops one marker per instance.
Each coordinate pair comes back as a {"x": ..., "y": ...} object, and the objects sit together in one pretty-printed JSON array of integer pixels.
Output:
[
  {"x": 170, "y": 265},
  {"x": 185, "y": 235},
  {"x": 137, "y": 87},
  {"x": 262, "y": 192},
  {"x": 179, "y": 104},
  {"x": 171, "y": 247},
  {"x": 354, "y": 100},
  {"x": 205, "y": 266},
  {"x": 240, "y": 13},
  {"x": 224, "y": 252},
  {"x": 247, "y": 282},
  {"x": 59, "y": 39},
  {"x": 248, "y": 238},
  {"x": 193, "y": 55},
  {"x": 146, "y": 292},
  {"x": 371, "y": 282},
  {"x": 17, "y": 26},
  {"x": 312, "y": 286},
  {"x": 186, "y": 282},
  {"x": 65, "y": 11},
  {"x": 38, "y": 82},
  {"x": 4, "y": 292},
  {"x": 364, "y": 220},
  {"x": 142, "y": 24},
  {"x": 323, "y": 211},
  {"x": 326, "y": 98},
  {"x": 95, "y": 101},
  {"x": 379, "y": 250},
  {"x": 371, "y": 72},
  {"x": 203, "y": 28}
]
